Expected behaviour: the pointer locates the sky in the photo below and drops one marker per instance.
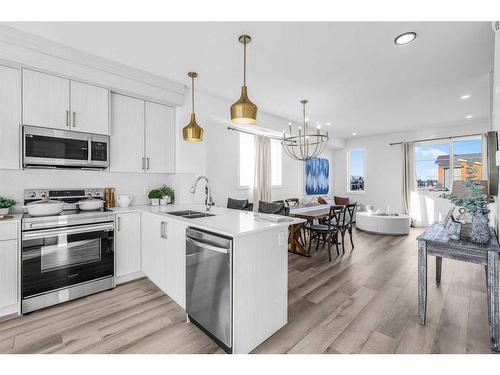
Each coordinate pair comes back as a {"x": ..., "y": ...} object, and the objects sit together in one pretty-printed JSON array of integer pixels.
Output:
[
  {"x": 357, "y": 159},
  {"x": 425, "y": 155}
]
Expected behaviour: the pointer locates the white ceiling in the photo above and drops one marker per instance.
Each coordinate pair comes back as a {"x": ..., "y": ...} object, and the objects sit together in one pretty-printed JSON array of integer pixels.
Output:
[{"x": 351, "y": 72}]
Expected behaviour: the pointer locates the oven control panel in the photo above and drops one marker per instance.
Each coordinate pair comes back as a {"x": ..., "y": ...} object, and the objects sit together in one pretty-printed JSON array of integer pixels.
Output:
[{"x": 61, "y": 194}]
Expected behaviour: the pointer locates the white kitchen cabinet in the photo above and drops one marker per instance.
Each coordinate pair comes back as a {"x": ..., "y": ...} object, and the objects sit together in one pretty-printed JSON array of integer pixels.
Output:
[
  {"x": 10, "y": 117},
  {"x": 163, "y": 255},
  {"x": 176, "y": 262},
  {"x": 45, "y": 100},
  {"x": 142, "y": 136},
  {"x": 128, "y": 244},
  {"x": 55, "y": 102},
  {"x": 160, "y": 138},
  {"x": 127, "y": 134},
  {"x": 153, "y": 249},
  {"x": 9, "y": 268},
  {"x": 89, "y": 108}
]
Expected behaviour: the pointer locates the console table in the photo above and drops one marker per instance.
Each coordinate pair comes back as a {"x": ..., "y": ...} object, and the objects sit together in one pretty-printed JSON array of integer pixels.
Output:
[{"x": 435, "y": 241}]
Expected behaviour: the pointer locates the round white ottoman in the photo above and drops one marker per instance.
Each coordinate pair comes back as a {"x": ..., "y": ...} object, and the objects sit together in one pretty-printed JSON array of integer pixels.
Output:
[{"x": 395, "y": 224}]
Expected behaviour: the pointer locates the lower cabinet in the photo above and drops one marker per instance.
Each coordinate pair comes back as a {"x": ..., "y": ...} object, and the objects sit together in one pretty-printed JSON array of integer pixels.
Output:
[
  {"x": 163, "y": 255},
  {"x": 128, "y": 245},
  {"x": 9, "y": 296}
]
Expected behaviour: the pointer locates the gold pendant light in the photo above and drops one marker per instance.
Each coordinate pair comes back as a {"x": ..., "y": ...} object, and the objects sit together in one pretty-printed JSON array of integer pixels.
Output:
[
  {"x": 244, "y": 111},
  {"x": 192, "y": 132}
]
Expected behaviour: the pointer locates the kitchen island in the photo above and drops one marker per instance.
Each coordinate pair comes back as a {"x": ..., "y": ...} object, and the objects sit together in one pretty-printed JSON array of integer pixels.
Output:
[{"x": 259, "y": 261}]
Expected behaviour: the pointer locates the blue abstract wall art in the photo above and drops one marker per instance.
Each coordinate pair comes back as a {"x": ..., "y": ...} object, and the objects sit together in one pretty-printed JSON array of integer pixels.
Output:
[{"x": 317, "y": 176}]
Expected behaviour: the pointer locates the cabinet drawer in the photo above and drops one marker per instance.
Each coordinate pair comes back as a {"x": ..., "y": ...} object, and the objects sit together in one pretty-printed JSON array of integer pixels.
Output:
[{"x": 8, "y": 231}]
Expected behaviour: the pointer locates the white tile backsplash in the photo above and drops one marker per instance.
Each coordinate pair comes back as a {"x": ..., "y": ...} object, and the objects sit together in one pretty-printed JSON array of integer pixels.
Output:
[{"x": 13, "y": 182}]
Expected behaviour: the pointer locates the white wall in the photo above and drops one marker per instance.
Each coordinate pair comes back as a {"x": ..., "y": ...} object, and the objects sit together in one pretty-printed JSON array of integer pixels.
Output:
[
  {"x": 384, "y": 173},
  {"x": 217, "y": 155},
  {"x": 495, "y": 111}
]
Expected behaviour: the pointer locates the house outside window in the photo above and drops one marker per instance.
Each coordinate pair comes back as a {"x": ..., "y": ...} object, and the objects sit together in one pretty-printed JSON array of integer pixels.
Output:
[{"x": 356, "y": 170}]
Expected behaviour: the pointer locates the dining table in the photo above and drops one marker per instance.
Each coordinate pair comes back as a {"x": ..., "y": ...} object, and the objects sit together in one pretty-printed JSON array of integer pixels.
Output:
[{"x": 298, "y": 233}]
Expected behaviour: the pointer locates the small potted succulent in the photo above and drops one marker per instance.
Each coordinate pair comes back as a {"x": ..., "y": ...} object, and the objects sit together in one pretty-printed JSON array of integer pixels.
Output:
[
  {"x": 5, "y": 204},
  {"x": 155, "y": 196},
  {"x": 167, "y": 195},
  {"x": 476, "y": 204}
]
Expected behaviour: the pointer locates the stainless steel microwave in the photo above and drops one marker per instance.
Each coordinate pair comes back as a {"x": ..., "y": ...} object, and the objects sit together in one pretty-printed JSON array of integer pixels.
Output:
[{"x": 52, "y": 148}]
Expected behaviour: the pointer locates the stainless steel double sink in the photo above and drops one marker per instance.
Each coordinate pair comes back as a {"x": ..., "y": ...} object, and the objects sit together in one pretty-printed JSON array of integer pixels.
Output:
[{"x": 188, "y": 214}]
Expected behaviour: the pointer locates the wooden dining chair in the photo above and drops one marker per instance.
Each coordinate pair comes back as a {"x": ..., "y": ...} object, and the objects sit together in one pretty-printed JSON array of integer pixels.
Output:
[
  {"x": 292, "y": 202},
  {"x": 345, "y": 223},
  {"x": 327, "y": 232}
]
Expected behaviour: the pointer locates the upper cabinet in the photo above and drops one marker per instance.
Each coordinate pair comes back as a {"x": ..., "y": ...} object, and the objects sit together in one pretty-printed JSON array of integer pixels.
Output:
[
  {"x": 45, "y": 100},
  {"x": 89, "y": 108},
  {"x": 10, "y": 117},
  {"x": 55, "y": 102},
  {"x": 160, "y": 138},
  {"x": 142, "y": 136}
]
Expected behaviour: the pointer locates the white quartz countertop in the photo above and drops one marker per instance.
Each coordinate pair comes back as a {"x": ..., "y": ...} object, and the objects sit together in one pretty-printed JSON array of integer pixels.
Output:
[
  {"x": 225, "y": 221},
  {"x": 15, "y": 218}
]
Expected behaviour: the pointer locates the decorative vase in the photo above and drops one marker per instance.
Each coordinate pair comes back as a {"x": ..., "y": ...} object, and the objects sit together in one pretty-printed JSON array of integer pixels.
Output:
[
  {"x": 480, "y": 230},
  {"x": 155, "y": 201},
  {"x": 4, "y": 211}
]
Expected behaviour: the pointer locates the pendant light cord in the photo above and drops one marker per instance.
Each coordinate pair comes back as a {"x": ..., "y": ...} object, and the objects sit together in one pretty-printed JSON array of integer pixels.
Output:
[
  {"x": 245, "y": 62},
  {"x": 192, "y": 92}
]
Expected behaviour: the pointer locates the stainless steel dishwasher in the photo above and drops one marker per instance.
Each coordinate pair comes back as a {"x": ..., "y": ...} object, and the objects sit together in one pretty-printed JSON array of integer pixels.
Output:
[{"x": 209, "y": 274}]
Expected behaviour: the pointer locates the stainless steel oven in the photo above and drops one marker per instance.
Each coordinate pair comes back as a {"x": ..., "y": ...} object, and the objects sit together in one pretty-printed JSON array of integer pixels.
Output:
[
  {"x": 52, "y": 148},
  {"x": 63, "y": 263}
]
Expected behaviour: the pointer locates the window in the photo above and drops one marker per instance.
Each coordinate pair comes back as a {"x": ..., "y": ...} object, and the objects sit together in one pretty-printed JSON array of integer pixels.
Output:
[
  {"x": 275, "y": 162},
  {"x": 436, "y": 171},
  {"x": 356, "y": 170},
  {"x": 247, "y": 161},
  {"x": 432, "y": 162}
]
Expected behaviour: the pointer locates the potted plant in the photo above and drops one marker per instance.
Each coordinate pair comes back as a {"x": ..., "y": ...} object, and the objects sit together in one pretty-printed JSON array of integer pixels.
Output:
[
  {"x": 167, "y": 195},
  {"x": 5, "y": 204},
  {"x": 155, "y": 195},
  {"x": 476, "y": 203}
]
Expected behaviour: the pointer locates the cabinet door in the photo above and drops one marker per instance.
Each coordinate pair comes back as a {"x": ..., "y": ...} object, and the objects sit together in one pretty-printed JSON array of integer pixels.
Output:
[
  {"x": 8, "y": 273},
  {"x": 128, "y": 243},
  {"x": 153, "y": 249},
  {"x": 45, "y": 100},
  {"x": 10, "y": 118},
  {"x": 89, "y": 108},
  {"x": 176, "y": 262},
  {"x": 127, "y": 134},
  {"x": 160, "y": 138}
]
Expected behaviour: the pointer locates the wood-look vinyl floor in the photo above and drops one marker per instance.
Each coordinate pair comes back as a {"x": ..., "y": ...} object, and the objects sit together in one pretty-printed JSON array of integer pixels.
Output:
[{"x": 364, "y": 301}]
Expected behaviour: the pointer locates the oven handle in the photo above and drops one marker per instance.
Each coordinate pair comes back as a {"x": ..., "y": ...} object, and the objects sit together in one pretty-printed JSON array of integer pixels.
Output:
[{"x": 65, "y": 231}]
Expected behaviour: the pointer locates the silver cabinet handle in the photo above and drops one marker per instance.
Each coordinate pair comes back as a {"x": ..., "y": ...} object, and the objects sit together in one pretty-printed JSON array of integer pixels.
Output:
[
  {"x": 74, "y": 119},
  {"x": 118, "y": 222},
  {"x": 147, "y": 164},
  {"x": 163, "y": 230},
  {"x": 143, "y": 164},
  {"x": 67, "y": 118}
]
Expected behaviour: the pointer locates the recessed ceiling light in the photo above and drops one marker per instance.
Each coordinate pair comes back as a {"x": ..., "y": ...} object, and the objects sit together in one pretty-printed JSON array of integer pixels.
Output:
[
  {"x": 327, "y": 124},
  {"x": 468, "y": 116},
  {"x": 353, "y": 133},
  {"x": 466, "y": 96},
  {"x": 405, "y": 38}
]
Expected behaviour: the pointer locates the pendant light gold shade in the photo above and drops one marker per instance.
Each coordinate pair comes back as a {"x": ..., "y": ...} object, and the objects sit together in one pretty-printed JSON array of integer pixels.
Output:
[
  {"x": 243, "y": 111},
  {"x": 192, "y": 132}
]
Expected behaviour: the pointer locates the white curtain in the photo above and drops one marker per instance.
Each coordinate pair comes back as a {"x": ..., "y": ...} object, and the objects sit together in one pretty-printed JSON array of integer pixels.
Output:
[
  {"x": 409, "y": 179},
  {"x": 262, "y": 178}
]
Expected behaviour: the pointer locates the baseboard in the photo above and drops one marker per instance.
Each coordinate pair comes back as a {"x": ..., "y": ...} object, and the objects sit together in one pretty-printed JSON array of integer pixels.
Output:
[
  {"x": 128, "y": 277},
  {"x": 10, "y": 309}
]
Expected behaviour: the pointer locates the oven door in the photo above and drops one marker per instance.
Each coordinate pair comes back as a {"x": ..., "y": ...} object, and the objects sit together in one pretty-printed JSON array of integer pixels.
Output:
[
  {"x": 58, "y": 258},
  {"x": 55, "y": 148}
]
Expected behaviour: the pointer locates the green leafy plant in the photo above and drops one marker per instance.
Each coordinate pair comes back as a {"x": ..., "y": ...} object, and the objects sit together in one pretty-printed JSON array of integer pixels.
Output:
[
  {"x": 6, "y": 202},
  {"x": 168, "y": 192},
  {"x": 477, "y": 203},
  {"x": 155, "y": 194}
]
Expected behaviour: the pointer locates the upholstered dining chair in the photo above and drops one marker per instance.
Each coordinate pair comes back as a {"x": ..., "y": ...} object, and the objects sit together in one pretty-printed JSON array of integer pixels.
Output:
[
  {"x": 239, "y": 204},
  {"x": 276, "y": 208}
]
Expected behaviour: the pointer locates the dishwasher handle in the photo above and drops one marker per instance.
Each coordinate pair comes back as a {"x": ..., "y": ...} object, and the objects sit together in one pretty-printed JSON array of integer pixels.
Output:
[{"x": 207, "y": 246}]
